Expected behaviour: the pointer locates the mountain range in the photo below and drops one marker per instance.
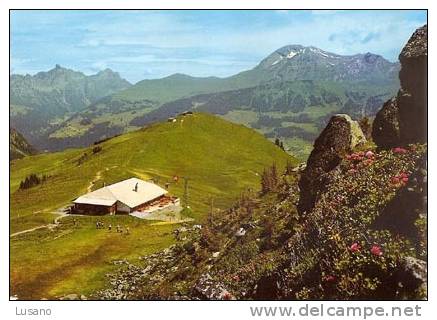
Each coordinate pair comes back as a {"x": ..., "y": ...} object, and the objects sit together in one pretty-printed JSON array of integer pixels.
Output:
[
  {"x": 47, "y": 98},
  {"x": 289, "y": 95}
]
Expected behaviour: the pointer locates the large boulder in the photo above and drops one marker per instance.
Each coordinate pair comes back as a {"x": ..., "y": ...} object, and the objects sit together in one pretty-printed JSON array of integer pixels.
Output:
[
  {"x": 414, "y": 82},
  {"x": 410, "y": 106},
  {"x": 385, "y": 128},
  {"x": 340, "y": 137},
  {"x": 414, "y": 62}
]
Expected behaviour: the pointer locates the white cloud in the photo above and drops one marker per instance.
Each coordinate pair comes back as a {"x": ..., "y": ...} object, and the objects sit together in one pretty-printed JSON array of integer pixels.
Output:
[{"x": 201, "y": 43}]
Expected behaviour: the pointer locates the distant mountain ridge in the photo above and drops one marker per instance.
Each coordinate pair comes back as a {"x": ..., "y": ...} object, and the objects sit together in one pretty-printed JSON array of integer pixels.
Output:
[
  {"x": 284, "y": 84},
  {"x": 45, "y": 98},
  {"x": 296, "y": 62}
]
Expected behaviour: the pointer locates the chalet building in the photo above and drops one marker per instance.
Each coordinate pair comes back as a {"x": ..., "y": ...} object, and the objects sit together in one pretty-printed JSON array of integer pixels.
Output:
[{"x": 123, "y": 197}]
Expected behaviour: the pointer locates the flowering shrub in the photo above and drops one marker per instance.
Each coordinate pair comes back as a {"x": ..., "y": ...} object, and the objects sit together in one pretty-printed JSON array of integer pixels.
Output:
[
  {"x": 369, "y": 154},
  {"x": 400, "y": 150},
  {"x": 336, "y": 251},
  {"x": 355, "y": 247},
  {"x": 361, "y": 159},
  {"x": 350, "y": 258},
  {"x": 330, "y": 278},
  {"x": 227, "y": 296},
  {"x": 376, "y": 250},
  {"x": 400, "y": 179}
]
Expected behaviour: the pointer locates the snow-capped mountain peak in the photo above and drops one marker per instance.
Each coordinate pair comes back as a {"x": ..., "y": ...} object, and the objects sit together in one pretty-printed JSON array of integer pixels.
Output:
[{"x": 300, "y": 62}]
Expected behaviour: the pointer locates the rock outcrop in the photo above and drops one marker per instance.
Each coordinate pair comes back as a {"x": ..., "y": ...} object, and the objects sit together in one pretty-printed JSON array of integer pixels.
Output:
[
  {"x": 385, "y": 130},
  {"x": 409, "y": 107},
  {"x": 340, "y": 136}
]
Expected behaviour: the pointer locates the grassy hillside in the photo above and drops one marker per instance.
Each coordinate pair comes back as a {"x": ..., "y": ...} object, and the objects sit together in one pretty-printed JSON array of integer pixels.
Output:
[
  {"x": 219, "y": 158},
  {"x": 172, "y": 87},
  {"x": 18, "y": 146}
]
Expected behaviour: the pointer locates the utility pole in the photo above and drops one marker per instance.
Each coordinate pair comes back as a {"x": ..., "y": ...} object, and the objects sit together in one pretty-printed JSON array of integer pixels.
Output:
[
  {"x": 185, "y": 205},
  {"x": 211, "y": 212}
]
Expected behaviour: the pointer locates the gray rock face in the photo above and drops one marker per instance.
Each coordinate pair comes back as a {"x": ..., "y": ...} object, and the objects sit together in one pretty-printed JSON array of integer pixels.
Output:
[
  {"x": 340, "y": 136},
  {"x": 414, "y": 58},
  {"x": 413, "y": 277},
  {"x": 209, "y": 289},
  {"x": 411, "y": 104},
  {"x": 413, "y": 98},
  {"x": 385, "y": 129}
]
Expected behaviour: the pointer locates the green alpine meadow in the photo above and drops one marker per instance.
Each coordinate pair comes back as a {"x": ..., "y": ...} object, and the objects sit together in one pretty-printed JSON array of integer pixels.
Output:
[{"x": 233, "y": 163}]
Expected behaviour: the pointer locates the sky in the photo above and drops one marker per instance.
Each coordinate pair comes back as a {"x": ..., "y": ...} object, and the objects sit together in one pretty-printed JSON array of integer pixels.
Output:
[{"x": 153, "y": 44}]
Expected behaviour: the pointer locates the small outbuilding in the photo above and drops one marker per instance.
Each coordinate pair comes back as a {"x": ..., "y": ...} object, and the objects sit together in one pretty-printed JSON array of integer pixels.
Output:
[{"x": 123, "y": 197}]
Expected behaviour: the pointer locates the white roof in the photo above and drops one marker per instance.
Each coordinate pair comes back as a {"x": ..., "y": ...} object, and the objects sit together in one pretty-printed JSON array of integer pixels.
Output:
[
  {"x": 102, "y": 197},
  {"x": 123, "y": 191}
]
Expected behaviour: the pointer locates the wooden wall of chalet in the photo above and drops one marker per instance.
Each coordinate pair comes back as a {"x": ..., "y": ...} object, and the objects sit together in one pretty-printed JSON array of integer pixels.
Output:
[{"x": 91, "y": 209}]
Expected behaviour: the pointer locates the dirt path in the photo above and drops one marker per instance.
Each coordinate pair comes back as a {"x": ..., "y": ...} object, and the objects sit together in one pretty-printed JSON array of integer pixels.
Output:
[
  {"x": 97, "y": 177},
  {"x": 61, "y": 211},
  {"x": 28, "y": 230},
  {"x": 61, "y": 214}
]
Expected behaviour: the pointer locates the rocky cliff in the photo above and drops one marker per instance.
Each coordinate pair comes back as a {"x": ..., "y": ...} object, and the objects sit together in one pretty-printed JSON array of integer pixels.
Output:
[
  {"x": 403, "y": 119},
  {"x": 340, "y": 137}
]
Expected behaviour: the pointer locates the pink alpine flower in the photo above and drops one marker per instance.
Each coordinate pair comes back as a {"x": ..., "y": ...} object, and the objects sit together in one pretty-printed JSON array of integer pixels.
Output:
[
  {"x": 403, "y": 176},
  {"x": 355, "y": 247},
  {"x": 369, "y": 154},
  {"x": 399, "y": 150},
  {"x": 330, "y": 278},
  {"x": 376, "y": 250},
  {"x": 400, "y": 179},
  {"x": 356, "y": 156},
  {"x": 227, "y": 295}
]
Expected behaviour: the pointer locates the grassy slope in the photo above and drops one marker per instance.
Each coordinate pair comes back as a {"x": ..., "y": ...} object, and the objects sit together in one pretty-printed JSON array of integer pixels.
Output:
[
  {"x": 143, "y": 97},
  {"x": 173, "y": 87},
  {"x": 220, "y": 159}
]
